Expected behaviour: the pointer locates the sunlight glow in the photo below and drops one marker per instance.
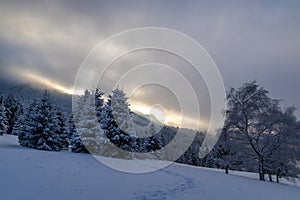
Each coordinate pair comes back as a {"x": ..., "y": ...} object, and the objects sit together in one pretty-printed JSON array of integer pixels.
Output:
[
  {"x": 35, "y": 78},
  {"x": 164, "y": 116},
  {"x": 170, "y": 118}
]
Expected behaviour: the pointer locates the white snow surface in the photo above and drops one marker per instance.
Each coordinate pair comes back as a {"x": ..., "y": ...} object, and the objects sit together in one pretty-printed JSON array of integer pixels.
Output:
[{"x": 30, "y": 174}]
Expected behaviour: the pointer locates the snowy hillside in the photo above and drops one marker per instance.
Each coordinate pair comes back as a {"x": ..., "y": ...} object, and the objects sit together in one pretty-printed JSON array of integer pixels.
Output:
[{"x": 35, "y": 175}]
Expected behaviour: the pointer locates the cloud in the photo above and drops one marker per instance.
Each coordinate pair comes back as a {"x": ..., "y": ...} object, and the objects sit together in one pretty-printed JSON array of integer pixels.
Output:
[{"x": 247, "y": 39}]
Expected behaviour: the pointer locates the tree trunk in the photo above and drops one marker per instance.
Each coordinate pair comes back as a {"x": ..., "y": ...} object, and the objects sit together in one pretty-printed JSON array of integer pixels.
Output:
[
  {"x": 277, "y": 175},
  {"x": 226, "y": 169},
  {"x": 261, "y": 176},
  {"x": 270, "y": 178},
  {"x": 261, "y": 169}
]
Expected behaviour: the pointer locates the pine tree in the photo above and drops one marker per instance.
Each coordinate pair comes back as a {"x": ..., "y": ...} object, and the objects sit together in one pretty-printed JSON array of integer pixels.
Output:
[
  {"x": 121, "y": 111},
  {"x": 38, "y": 130},
  {"x": 13, "y": 110},
  {"x": 18, "y": 124},
  {"x": 191, "y": 155},
  {"x": 3, "y": 120},
  {"x": 115, "y": 123},
  {"x": 99, "y": 103},
  {"x": 153, "y": 142},
  {"x": 75, "y": 143},
  {"x": 61, "y": 129},
  {"x": 88, "y": 127},
  {"x": 23, "y": 132}
]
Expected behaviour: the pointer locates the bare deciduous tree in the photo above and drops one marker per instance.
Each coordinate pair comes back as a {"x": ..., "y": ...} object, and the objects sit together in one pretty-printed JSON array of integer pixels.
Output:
[{"x": 260, "y": 121}]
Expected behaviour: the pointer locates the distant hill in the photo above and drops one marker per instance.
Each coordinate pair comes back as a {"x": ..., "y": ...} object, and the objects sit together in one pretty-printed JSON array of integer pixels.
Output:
[{"x": 26, "y": 93}]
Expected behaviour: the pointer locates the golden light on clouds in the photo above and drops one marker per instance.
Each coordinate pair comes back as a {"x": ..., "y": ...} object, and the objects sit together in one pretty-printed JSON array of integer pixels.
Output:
[
  {"x": 38, "y": 79},
  {"x": 169, "y": 117}
]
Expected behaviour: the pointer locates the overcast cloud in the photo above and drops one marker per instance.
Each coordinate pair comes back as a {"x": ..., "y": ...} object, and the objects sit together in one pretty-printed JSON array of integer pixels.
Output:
[{"x": 247, "y": 39}]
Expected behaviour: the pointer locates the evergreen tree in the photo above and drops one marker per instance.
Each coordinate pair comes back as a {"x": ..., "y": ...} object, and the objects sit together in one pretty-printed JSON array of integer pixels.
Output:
[
  {"x": 61, "y": 129},
  {"x": 13, "y": 110},
  {"x": 18, "y": 124},
  {"x": 3, "y": 120},
  {"x": 121, "y": 111},
  {"x": 39, "y": 128},
  {"x": 99, "y": 103},
  {"x": 75, "y": 143},
  {"x": 115, "y": 123},
  {"x": 24, "y": 132},
  {"x": 88, "y": 127},
  {"x": 151, "y": 144},
  {"x": 191, "y": 155}
]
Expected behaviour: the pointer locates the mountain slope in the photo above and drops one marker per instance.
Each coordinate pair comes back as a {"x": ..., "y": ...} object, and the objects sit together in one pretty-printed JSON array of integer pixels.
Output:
[{"x": 31, "y": 174}]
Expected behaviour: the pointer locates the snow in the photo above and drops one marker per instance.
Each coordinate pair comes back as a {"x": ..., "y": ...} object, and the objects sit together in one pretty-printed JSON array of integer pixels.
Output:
[{"x": 35, "y": 175}]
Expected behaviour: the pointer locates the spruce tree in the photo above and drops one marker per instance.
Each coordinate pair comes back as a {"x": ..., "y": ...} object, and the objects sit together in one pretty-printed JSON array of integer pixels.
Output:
[
  {"x": 115, "y": 123},
  {"x": 61, "y": 129},
  {"x": 99, "y": 103},
  {"x": 88, "y": 127},
  {"x": 13, "y": 110},
  {"x": 39, "y": 128},
  {"x": 121, "y": 111},
  {"x": 3, "y": 120},
  {"x": 24, "y": 131},
  {"x": 75, "y": 143}
]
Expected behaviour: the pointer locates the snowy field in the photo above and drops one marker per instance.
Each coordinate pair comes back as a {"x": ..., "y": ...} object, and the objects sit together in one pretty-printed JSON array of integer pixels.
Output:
[{"x": 39, "y": 175}]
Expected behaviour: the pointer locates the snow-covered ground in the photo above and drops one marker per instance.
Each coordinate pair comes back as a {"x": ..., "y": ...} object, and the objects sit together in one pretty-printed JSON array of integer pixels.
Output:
[{"x": 40, "y": 175}]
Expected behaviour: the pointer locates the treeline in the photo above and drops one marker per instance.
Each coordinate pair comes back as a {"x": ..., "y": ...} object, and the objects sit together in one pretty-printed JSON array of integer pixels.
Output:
[
  {"x": 96, "y": 126},
  {"x": 258, "y": 135},
  {"x": 11, "y": 110}
]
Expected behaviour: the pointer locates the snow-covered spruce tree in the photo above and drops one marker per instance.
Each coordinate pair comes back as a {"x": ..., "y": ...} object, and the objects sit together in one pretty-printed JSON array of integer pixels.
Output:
[
  {"x": 75, "y": 143},
  {"x": 115, "y": 123},
  {"x": 121, "y": 111},
  {"x": 102, "y": 141},
  {"x": 23, "y": 132},
  {"x": 151, "y": 144},
  {"x": 109, "y": 128},
  {"x": 61, "y": 129},
  {"x": 3, "y": 120},
  {"x": 18, "y": 124},
  {"x": 191, "y": 155},
  {"x": 13, "y": 110},
  {"x": 38, "y": 130},
  {"x": 99, "y": 103},
  {"x": 88, "y": 127}
]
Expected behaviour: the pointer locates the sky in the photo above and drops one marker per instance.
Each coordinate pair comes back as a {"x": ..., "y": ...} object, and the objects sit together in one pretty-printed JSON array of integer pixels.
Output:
[{"x": 45, "y": 42}]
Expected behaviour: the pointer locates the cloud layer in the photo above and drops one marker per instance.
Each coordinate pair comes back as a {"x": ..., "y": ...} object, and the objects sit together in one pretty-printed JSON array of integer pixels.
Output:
[{"x": 247, "y": 39}]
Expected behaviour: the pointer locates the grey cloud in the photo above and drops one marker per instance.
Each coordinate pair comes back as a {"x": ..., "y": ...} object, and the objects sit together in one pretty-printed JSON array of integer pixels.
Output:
[{"x": 247, "y": 39}]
